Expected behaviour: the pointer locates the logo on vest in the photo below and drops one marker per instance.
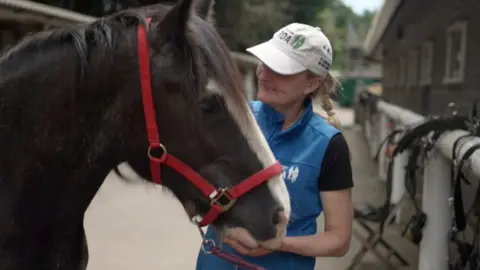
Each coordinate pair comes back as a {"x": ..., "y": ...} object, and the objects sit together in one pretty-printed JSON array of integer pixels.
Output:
[{"x": 290, "y": 173}]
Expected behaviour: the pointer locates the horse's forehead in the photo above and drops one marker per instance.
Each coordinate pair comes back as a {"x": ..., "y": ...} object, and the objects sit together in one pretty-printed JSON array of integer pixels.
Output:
[
  {"x": 214, "y": 87},
  {"x": 234, "y": 105}
]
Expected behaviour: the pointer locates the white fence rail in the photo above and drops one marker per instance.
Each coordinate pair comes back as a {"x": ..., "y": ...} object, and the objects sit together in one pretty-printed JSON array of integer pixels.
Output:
[{"x": 436, "y": 178}]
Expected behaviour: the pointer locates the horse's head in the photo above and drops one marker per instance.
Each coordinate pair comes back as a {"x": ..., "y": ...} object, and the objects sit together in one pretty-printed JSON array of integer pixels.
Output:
[{"x": 204, "y": 120}]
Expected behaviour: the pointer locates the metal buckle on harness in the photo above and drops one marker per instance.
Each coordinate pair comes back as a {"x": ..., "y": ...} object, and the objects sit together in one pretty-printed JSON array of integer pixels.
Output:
[
  {"x": 163, "y": 154},
  {"x": 221, "y": 198}
]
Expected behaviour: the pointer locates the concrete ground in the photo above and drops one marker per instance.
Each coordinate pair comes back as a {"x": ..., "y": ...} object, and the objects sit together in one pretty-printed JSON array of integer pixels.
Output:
[
  {"x": 138, "y": 226},
  {"x": 368, "y": 189}
]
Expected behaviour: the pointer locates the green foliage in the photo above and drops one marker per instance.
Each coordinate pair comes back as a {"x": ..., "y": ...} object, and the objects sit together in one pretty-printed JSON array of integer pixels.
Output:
[
  {"x": 244, "y": 23},
  {"x": 250, "y": 22},
  {"x": 335, "y": 20}
]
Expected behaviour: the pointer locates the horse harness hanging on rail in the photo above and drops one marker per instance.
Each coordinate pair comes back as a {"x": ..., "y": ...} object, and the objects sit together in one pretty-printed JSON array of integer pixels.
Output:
[
  {"x": 221, "y": 199},
  {"x": 468, "y": 254},
  {"x": 417, "y": 140}
]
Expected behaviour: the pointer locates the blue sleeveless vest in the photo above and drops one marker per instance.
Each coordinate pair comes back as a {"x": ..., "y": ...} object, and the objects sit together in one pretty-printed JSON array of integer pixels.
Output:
[{"x": 300, "y": 150}]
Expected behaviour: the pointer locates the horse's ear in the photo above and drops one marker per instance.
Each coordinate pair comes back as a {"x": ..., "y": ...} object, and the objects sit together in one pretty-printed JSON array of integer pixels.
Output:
[
  {"x": 174, "y": 24},
  {"x": 205, "y": 9}
]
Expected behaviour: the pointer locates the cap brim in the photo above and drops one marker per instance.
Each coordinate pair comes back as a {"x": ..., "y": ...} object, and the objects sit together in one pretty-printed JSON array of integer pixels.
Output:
[{"x": 275, "y": 59}]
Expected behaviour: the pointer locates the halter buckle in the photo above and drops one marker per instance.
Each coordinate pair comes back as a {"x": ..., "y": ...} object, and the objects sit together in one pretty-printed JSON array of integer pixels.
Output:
[
  {"x": 160, "y": 146},
  {"x": 221, "y": 198}
]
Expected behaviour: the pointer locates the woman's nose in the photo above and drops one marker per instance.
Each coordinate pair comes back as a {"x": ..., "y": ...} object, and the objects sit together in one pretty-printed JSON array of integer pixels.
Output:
[{"x": 265, "y": 73}]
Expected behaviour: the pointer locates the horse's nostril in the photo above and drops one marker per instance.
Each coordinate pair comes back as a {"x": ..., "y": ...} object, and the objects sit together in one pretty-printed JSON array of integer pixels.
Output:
[{"x": 277, "y": 215}]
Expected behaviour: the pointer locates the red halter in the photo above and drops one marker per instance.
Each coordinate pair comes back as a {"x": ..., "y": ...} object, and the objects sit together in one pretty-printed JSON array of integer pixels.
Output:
[{"x": 220, "y": 199}]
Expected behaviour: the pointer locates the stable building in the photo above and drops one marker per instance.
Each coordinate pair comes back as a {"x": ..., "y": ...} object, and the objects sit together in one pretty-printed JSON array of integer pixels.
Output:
[{"x": 428, "y": 53}]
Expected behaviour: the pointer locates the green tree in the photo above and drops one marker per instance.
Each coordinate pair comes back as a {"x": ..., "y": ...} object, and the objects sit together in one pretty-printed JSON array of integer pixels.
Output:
[
  {"x": 257, "y": 21},
  {"x": 335, "y": 20},
  {"x": 243, "y": 23},
  {"x": 305, "y": 11}
]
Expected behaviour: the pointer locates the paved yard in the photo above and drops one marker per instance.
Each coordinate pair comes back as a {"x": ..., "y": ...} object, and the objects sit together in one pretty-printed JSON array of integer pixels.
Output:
[
  {"x": 138, "y": 226},
  {"x": 368, "y": 189}
]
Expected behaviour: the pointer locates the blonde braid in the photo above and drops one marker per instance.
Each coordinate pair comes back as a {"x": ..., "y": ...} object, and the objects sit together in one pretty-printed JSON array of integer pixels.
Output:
[
  {"x": 328, "y": 107},
  {"x": 321, "y": 96}
]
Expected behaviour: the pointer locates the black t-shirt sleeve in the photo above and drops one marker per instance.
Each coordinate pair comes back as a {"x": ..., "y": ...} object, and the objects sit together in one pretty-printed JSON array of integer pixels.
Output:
[{"x": 336, "y": 171}]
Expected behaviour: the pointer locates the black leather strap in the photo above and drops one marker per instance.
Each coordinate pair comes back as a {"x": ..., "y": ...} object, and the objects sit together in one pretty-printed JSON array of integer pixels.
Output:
[{"x": 460, "y": 215}]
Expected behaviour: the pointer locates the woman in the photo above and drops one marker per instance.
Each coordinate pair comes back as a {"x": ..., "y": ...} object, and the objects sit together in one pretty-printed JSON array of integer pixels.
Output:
[{"x": 293, "y": 76}]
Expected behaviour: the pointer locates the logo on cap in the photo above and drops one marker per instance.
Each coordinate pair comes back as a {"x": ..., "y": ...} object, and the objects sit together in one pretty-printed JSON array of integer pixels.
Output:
[
  {"x": 298, "y": 42},
  {"x": 324, "y": 63}
]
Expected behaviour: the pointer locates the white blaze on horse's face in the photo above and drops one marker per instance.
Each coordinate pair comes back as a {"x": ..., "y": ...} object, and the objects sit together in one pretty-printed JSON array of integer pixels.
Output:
[{"x": 251, "y": 131}]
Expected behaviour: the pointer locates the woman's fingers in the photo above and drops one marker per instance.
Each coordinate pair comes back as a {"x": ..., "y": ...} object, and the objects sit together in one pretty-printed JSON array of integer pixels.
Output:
[
  {"x": 238, "y": 247},
  {"x": 246, "y": 251}
]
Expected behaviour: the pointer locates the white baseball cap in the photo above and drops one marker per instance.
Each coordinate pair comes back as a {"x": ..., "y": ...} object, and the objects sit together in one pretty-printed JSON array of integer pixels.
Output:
[{"x": 296, "y": 48}]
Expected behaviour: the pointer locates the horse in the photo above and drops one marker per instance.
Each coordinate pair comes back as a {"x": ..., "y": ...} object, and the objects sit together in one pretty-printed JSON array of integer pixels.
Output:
[{"x": 75, "y": 103}]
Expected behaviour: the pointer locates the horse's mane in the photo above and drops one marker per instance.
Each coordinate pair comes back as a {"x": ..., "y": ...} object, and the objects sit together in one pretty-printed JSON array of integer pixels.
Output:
[
  {"x": 103, "y": 35},
  {"x": 107, "y": 31},
  {"x": 104, "y": 31}
]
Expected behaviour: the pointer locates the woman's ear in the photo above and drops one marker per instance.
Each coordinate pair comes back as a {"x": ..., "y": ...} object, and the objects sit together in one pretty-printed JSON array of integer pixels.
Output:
[{"x": 313, "y": 83}]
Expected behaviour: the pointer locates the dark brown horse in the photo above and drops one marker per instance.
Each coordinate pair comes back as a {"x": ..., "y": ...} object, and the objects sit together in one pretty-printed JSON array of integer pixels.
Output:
[{"x": 71, "y": 111}]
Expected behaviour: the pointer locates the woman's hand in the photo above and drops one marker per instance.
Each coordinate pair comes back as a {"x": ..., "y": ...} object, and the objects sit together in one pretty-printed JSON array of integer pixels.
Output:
[{"x": 259, "y": 251}]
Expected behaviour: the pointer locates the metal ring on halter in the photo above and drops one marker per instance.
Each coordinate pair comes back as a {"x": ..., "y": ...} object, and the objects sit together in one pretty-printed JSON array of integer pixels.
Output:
[
  {"x": 208, "y": 241},
  {"x": 162, "y": 158}
]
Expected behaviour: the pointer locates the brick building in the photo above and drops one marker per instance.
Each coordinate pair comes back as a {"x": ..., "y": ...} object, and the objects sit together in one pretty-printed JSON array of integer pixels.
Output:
[{"x": 428, "y": 52}]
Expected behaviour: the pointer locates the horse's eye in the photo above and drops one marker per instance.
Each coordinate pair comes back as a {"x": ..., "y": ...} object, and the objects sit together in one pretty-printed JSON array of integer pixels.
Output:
[{"x": 210, "y": 104}]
